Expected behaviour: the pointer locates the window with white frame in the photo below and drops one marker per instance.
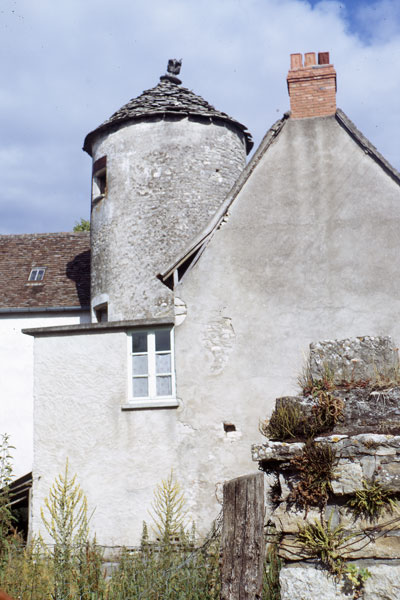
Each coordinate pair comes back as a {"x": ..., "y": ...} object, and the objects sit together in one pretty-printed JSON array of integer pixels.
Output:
[
  {"x": 152, "y": 364},
  {"x": 37, "y": 274}
]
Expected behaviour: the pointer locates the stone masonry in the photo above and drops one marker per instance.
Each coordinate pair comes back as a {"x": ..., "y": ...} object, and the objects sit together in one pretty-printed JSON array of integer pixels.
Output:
[{"x": 366, "y": 445}]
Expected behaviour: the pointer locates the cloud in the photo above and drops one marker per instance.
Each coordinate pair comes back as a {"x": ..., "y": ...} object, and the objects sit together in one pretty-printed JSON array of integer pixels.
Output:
[{"x": 71, "y": 64}]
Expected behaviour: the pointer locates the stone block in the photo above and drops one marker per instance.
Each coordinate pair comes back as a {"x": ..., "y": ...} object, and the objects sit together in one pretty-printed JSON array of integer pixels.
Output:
[
  {"x": 384, "y": 583},
  {"x": 348, "y": 477},
  {"x": 306, "y": 582},
  {"x": 288, "y": 519},
  {"x": 369, "y": 412},
  {"x": 388, "y": 474},
  {"x": 354, "y": 359},
  {"x": 309, "y": 583},
  {"x": 275, "y": 451}
]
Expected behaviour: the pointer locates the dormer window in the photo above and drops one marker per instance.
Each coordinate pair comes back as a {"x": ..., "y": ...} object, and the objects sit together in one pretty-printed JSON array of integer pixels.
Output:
[
  {"x": 99, "y": 183},
  {"x": 37, "y": 274}
]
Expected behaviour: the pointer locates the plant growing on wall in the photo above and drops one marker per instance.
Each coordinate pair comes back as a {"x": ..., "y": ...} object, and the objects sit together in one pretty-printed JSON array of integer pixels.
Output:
[
  {"x": 310, "y": 386},
  {"x": 321, "y": 541},
  {"x": 356, "y": 577},
  {"x": 286, "y": 422},
  {"x": 314, "y": 467},
  {"x": 273, "y": 565},
  {"x": 372, "y": 501},
  {"x": 290, "y": 421}
]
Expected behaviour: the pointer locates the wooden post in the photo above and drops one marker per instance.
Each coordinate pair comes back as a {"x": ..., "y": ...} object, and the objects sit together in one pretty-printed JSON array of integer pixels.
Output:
[{"x": 243, "y": 546}]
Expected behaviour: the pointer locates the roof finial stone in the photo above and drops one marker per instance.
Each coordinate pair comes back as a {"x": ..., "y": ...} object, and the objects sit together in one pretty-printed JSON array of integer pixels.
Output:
[{"x": 173, "y": 69}]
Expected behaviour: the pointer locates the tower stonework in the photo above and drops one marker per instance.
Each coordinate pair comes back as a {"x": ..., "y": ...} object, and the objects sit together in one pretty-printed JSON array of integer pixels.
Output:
[{"x": 162, "y": 165}]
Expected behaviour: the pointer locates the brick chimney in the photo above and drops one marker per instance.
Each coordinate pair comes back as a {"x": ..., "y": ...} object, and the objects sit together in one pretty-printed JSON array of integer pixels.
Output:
[{"x": 312, "y": 87}]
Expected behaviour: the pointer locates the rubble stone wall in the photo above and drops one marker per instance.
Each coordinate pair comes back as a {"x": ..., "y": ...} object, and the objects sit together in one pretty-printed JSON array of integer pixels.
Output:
[{"x": 365, "y": 444}]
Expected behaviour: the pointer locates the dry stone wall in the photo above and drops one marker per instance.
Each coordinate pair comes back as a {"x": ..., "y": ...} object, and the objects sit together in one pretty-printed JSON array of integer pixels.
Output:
[{"x": 338, "y": 525}]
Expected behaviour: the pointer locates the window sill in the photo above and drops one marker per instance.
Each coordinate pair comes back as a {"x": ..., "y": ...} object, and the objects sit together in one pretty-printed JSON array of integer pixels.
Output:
[{"x": 151, "y": 403}]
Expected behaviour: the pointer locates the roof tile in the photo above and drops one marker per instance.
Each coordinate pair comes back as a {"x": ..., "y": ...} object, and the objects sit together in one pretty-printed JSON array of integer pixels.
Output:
[{"x": 66, "y": 282}]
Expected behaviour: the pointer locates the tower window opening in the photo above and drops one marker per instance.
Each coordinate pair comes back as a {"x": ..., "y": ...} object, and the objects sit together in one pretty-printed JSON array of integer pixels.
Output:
[
  {"x": 101, "y": 312},
  {"x": 99, "y": 183}
]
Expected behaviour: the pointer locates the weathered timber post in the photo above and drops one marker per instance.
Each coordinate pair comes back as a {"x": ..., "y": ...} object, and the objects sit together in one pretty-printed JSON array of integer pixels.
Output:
[{"x": 243, "y": 546}]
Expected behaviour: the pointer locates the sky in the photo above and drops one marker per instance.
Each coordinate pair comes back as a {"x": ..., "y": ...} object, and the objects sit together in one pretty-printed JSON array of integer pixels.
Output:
[{"x": 67, "y": 65}]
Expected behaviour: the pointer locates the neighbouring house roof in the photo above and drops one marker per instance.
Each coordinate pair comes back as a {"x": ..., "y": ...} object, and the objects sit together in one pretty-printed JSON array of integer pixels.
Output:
[
  {"x": 198, "y": 244},
  {"x": 66, "y": 282},
  {"x": 168, "y": 97}
]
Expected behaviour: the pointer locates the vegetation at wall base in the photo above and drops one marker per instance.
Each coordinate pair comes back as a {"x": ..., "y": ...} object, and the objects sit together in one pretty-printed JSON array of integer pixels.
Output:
[
  {"x": 174, "y": 567},
  {"x": 273, "y": 565}
]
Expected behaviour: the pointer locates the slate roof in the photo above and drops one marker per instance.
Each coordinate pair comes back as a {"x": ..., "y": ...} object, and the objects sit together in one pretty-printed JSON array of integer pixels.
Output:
[
  {"x": 66, "y": 283},
  {"x": 168, "y": 97}
]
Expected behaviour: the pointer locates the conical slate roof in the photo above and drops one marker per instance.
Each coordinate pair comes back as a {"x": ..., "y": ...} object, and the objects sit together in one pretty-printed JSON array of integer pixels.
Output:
[{"x": 168, "y": 97}]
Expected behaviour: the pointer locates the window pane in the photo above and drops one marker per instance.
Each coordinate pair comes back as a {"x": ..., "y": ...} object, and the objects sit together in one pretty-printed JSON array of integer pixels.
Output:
[
  {"x": 140, "y": 387},
  {"x": 163, "y": 363},
  {"x": 139, "y": 365},
  {"x": 163, "y": 340},
  {"x": 139, "y": 342},
  {"x": 164, "y": 387}
]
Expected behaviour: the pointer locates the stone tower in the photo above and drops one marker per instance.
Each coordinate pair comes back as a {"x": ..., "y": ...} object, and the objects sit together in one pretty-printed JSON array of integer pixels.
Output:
[{"x": 162, "y": 165}]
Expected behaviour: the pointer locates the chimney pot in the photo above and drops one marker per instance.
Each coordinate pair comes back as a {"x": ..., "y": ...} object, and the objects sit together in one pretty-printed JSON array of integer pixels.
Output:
[
  {"x": 323, "y": 58},
  {"x": 309, "y": 59},
  {"x": 296, "y": 61}
]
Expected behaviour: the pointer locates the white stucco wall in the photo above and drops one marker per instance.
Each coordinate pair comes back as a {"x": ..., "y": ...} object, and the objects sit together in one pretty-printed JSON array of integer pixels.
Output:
[
  {"x": 309, "y": 252},
  {"x": 16, "y": 379},
  {"x": 119, "y": 456}
]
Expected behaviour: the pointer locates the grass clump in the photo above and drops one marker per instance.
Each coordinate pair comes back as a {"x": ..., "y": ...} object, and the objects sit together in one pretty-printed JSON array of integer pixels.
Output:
[
  {"x": 310, "y": 386},
  {"x": 372, "y": 501},
  {"x": 314, "y": 466},
  {"x": 327, "y": 412},
  {"x": 289, "y": 421},
  {"x": 286, "y": 422},
  {"x": 273, "y": 565}
]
